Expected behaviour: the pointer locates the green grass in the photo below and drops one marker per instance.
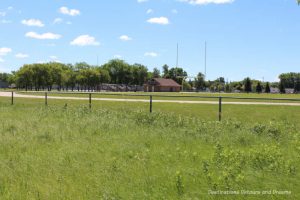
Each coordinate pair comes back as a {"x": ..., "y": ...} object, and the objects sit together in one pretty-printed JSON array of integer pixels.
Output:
[
  {"x": 250, "y": 113},
  {"x": 118, "y": 150},
  {"x": 176, "y": 96}
]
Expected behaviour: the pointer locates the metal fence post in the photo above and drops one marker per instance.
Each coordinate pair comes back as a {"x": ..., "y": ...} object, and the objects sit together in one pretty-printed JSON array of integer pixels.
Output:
[
  {"x": 90, "y": 100},
  {"x": 12, "y": 98},
  {"x": 220, "y": 108},
  {"x": 150, "y": 103},
  {"x": 46, "y": 99}
]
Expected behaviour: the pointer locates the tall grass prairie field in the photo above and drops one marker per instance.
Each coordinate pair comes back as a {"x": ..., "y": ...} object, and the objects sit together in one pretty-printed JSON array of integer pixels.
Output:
[{"x": 118, "y": 150}]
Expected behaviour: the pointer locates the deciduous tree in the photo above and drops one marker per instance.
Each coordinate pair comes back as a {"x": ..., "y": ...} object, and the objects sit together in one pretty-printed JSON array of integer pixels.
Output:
[
  {"x": 268, "y": 89},
  {"x": 247, "y": 85}
]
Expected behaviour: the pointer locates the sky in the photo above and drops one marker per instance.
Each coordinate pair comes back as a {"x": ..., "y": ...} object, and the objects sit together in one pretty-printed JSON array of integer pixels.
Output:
[{"x": 254, "y": 38}]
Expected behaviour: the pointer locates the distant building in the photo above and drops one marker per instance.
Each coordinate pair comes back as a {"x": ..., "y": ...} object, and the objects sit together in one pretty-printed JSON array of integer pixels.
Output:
[
  {"x": 3, "y": 84},
  {"x": 274, "y": 90},
  {"x": 289, "y": 91},
  {"x": 162, "y": 85},
  {"x": 277, "y": 91}
]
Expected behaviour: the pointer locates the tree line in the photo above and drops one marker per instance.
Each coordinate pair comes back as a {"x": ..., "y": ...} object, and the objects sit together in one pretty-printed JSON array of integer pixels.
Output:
[{"x": 82, "y": 76}]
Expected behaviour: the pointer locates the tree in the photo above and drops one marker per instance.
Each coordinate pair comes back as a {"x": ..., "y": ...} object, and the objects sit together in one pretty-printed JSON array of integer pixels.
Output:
[
  {"x": 81, "y": 65},
  {"x": 200, "y": 81},
  {"x": 71, "y": 82},
  {"x": 297, "y": 86},
  {"x": 104, "y": 76},
  {"x": 220, "y": 80},
  {"x": 258, "y": 88},
  {"x": 268, "y": 89},
  {"x": 166, "y": 71},
  {"x": 227, "y": 88},
  {"x": 57, "y": 74},
  {"x": 236, "y": 85},
  {"x": 140, "y": 73},
  {"x": 4, "y": 77},
  {"x": 24, "y": 77},
  {"x": 281, "y": 87},
  {"x": 289, "y": 79},
  {"x": 177, "y": 74},
  {"x": 247, "y": 85},
  {"x": 186, "y": 86},
  {"x": 156, "y": 73},
  {"x": 12, "y": 78},
  {"x": 219, "y": 84},
  {"x": 119, "y": 71}
]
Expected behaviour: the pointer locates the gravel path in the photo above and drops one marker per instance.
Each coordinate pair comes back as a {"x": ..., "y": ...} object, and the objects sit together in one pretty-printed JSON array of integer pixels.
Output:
[{"x": 8, "y": 94}]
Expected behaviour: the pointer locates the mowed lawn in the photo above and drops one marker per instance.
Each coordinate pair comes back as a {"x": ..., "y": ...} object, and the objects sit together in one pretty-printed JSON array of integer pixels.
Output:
[
  {"x": 118, "y": 150},
  {"x": 174, "y": 96}
]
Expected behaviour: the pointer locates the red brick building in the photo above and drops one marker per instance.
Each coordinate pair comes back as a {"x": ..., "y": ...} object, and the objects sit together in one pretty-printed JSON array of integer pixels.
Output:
[{"x": 162, "y": 85}]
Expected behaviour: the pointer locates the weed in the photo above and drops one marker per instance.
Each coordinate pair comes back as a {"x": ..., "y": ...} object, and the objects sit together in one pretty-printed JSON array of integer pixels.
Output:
[{"x": 179, "y": 183}]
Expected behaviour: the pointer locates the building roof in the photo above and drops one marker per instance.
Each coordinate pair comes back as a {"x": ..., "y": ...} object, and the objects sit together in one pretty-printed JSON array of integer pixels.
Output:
[{"x": 166, "y": 82}]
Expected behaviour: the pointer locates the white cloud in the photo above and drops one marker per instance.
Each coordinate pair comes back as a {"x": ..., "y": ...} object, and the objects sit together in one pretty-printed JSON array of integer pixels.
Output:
[
  {"x": 141, "y": 1},
  {"x": 2, "y": 14},
  {"x": 158, "y": 20},
  {"x": 125, "y": 38},
  {"x": 44, "y": 36},
  {"x": 117, "y": 56},
  {"x": 1, "y": 60},
  {"x": 57, "y": 21},
  {"x": 10, "y": 8},
  {"x": 67, "y": 11},
  {"x": 21, "y": 55},
  {"x": 204, "y": 2},
  {"x": 41, "y": 62},
  {"x": 85, "y": 40},
  {"x": 151, "y": 54},
  {"x": 33, "y": 22},
  {"x": 149, "y": 11},
  {"x": 4, "y": 51},
  {"x": 54, "y": 59}
]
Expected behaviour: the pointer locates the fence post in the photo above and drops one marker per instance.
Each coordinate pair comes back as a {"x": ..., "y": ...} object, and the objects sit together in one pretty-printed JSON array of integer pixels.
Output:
[
  {"x": 46, "y": 99},
  {"x": 90, "y": 100},
  {"x": 150, "y": 103},
  {"x": 220, "y": 108},
  {"x": 12, "y": 98}
]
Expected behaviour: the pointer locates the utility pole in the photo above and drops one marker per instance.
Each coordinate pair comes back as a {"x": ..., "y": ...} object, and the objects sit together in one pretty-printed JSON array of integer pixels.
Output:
[
  {"x": 205, "y": 60},
  {"x": 177, "y": 60}
]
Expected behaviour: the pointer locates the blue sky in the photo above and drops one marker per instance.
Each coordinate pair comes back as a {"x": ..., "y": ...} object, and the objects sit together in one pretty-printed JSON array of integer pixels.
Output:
[{"x": 245, "y": 37}]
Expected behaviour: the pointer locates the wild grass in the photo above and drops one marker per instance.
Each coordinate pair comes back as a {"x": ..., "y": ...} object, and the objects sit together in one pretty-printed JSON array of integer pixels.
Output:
[{"x": 118, "y": 152}]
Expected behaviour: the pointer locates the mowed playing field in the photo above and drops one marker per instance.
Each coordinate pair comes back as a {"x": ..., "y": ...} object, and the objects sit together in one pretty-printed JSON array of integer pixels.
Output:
[
  {"x": 162, "y": 95},
  {"x": 118, "y": 150}
]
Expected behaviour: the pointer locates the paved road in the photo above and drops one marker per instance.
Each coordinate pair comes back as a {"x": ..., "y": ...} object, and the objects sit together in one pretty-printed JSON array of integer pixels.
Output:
[{"x": 8, "y": 94}]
